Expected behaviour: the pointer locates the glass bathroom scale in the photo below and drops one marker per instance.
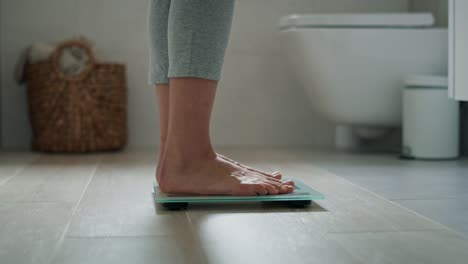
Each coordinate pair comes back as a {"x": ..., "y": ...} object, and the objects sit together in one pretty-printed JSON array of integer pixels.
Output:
[{"x": 302, "y": 196}]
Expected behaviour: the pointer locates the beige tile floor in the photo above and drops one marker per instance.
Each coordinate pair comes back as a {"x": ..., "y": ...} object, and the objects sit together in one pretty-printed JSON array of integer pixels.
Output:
[
  {"x": 436, "y": 189},
  {"x": 98, "y": 209}
]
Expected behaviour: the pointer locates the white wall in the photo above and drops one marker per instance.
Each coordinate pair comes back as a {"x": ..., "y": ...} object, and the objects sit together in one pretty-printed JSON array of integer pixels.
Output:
[{"x": 258, "y": 102}]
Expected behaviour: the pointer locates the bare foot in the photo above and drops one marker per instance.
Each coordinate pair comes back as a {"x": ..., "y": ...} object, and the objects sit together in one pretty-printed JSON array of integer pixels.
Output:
[
  {"x": 214, "y": 175},
  {"x": 276, "y": 174}
]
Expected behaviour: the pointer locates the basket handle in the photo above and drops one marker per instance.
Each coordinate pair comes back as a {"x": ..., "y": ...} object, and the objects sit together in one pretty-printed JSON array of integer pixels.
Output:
[{"x": 55, "y": 57}]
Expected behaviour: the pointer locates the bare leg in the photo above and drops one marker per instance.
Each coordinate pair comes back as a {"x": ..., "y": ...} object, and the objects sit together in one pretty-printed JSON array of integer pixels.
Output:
[
  {"x": 189, "y": 164},
  {"x": 162, "y": 93}
]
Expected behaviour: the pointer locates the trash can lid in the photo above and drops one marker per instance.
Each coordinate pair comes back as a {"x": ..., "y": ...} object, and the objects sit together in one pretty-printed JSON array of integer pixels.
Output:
[{"x": 426, "y": 81}]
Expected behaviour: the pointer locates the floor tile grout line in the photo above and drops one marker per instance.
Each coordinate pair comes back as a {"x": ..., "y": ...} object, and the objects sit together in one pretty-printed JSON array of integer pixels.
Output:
[
  {"x": 425, "y": 199},
  {"x": 34, "y": 202},
  {"x": 195, "y": 237},
  {"x": 73, "y": 211},
  {"x": 424, "y": 230},
  {"x": 396, "y": 204},
  {"x": 118, "y": 236},
  {"x": 19, "y": 171}
]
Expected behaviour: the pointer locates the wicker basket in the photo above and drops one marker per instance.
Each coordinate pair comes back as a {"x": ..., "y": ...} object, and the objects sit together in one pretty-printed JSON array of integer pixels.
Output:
[{"x": 77, "y": 113}]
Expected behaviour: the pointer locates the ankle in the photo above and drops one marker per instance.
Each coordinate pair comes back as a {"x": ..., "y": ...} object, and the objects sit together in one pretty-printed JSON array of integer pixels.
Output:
[
  {"x": 187, "y": 152},
  {"x": 184, "y": 160},
  {"x": 177, "y": 165}
]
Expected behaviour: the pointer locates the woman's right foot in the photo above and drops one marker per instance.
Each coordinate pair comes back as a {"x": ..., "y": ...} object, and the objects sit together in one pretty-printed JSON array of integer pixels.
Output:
[
  {"x": 275, "y": 174},
  {"x": 214, "y": 175}
]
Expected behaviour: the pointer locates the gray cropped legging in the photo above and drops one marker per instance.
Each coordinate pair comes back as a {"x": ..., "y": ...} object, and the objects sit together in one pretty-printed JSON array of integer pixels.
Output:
[{"x": 188, "y": 38}]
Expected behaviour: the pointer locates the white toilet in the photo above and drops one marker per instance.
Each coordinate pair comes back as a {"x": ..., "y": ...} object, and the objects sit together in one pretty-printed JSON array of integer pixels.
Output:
[{"x": 353, "y": 66}]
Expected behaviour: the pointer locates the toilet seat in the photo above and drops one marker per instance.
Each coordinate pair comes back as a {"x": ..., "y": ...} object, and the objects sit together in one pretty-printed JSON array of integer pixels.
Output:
[{"x": 376, "y": 20}]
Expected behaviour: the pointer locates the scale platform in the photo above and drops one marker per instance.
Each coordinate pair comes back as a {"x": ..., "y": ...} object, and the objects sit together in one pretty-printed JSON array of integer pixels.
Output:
[{"x": 301, "y": 197}]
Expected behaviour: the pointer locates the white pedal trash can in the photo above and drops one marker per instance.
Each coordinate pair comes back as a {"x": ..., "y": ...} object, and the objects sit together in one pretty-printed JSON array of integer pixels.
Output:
[{"x": 430, "y": 119}]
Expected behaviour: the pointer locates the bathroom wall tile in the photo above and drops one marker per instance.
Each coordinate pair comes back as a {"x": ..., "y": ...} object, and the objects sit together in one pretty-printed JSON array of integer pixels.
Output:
[
  {"x": 118, "y": 26},
  {"x": 258, "y": 94},
  {"x": 16, "y": 131},
  {"x": 143, "y": 120},
  {"x": 28, "y": 21}
]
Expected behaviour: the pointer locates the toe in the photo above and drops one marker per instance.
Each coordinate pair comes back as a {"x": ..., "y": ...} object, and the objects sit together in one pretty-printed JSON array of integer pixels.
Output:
[
  {"x": 279, "y": 186},
  {"x": 270, "y": 188},
  {"x": 283, "y": 189},
  {"x": 273, "y": 181},
  {"x": 290, "y": 189},
  {"x": 277, "y": 175},
  {"x": 273, "y": 176},
  {"x": 290, "y": 183},
  {"x": 249, "y": 189},
  {"x": 260, "y": 189}
]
